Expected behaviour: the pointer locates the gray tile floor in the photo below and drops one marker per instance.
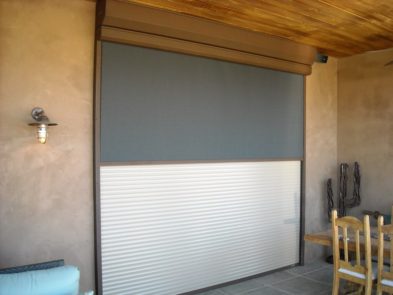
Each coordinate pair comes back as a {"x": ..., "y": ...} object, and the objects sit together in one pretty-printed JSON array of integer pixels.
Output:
[{"x": 311, "y": 279}]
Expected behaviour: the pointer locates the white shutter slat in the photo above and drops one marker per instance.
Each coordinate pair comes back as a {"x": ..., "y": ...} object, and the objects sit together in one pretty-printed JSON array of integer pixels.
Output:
[{"x": 174, "y": 228}]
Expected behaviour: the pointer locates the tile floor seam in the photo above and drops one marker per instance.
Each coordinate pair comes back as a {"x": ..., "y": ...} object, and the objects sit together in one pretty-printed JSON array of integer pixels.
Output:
[
  {"x": 318, "y": 269},
  {"x": 311, "y": 271},
  {"x": 314, "y": 280},
  {"x": 283, "y": 291},
  {"x": 272, "y": 287},
  {"x": 301, "y": 276},
  {"x": 260, "y": 287},
  {"x": 245, "y": 292},
  {"x": 241, "y": 292},
  {"x": 281, "y": 281}
]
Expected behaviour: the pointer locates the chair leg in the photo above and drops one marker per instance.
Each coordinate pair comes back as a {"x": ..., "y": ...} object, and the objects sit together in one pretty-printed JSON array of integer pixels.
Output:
[
  {"x": 368, "y": 289},
  {"x": 360, "y": 290},
  {"x": 379, "y": 289},
  {"x": 353, "y": 289},
  {"x": 336, "y": 285}
]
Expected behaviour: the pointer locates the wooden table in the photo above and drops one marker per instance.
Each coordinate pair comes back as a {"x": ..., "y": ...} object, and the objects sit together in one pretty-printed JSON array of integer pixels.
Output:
[{"x": 325, "y": 239}]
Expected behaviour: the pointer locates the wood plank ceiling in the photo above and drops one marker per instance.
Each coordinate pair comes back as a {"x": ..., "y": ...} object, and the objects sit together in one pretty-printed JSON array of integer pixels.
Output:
[{"x": 335, "y": 27}]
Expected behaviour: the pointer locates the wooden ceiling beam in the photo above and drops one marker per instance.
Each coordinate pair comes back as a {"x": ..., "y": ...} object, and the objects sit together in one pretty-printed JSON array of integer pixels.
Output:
[{"x": 336, "y": 27}]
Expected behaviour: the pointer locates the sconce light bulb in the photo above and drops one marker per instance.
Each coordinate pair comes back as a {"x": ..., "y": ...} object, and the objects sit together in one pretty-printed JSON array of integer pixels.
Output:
[
  {"x": 42, "y": 140},
  {"x": 42, "y": 133}
]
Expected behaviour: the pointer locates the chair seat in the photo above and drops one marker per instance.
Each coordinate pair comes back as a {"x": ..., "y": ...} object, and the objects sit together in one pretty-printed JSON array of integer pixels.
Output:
[
  {"x": 387, "y": 283},
  {"x": 358, "y": 274}
]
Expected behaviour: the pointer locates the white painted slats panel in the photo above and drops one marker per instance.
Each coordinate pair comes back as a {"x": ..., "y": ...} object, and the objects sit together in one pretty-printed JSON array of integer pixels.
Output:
[{"x": 169, "y": 229}]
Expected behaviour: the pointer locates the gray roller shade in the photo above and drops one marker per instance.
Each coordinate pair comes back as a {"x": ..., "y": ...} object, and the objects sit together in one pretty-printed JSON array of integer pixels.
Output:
[{"x": 158, "y": 105}]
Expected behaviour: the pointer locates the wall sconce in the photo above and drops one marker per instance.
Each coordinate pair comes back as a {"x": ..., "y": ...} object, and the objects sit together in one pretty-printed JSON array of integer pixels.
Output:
[{"x": 42, "y": 123}]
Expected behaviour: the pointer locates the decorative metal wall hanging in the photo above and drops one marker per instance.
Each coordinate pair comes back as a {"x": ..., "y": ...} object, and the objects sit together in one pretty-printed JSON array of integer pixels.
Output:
[{"x": 343, "y": 203}]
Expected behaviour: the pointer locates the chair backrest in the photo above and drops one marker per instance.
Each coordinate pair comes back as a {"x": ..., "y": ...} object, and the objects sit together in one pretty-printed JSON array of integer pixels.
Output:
[
  {"x": 348, "y": 225},
  {"x": 383, "y": 231}
]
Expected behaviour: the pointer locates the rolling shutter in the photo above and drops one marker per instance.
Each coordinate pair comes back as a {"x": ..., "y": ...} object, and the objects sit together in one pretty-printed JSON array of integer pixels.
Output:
[{"x": 169, "y": 229}]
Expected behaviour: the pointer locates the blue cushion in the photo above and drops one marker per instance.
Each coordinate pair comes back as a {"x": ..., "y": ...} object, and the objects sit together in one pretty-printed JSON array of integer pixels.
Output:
[
  {"x": 62, "y": 280},
  {"x": 35, "y": 266}
]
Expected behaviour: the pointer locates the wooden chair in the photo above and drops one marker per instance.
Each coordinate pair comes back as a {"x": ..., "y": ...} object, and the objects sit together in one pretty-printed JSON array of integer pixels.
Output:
[
  {"x": 385, "y": 276},
  {"x": 362, "y": 271}
]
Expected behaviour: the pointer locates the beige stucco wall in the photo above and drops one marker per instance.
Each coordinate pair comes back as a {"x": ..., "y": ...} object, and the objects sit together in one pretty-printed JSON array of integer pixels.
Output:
[
  {"x": 365, "y": 121},
  {"x": 46, "y": 199},
  {"x": 46, "y": 202},
  {"x": 321, "y": 148}
]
